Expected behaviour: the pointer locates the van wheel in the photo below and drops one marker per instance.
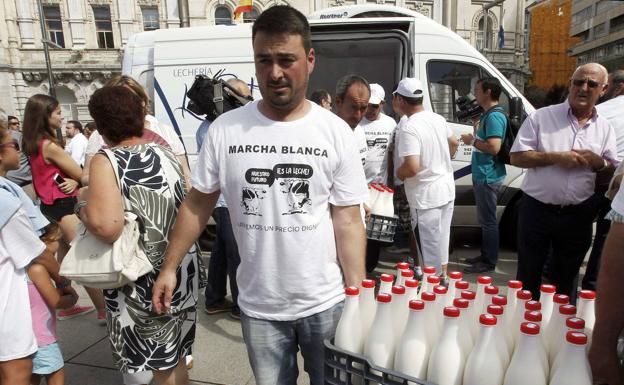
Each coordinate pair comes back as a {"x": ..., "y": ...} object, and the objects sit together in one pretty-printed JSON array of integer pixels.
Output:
[{"x": 508, "y": 228}]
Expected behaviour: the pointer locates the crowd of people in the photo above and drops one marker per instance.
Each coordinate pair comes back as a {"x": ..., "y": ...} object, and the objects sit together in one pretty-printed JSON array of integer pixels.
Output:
[{"x": 290, "y": 242}]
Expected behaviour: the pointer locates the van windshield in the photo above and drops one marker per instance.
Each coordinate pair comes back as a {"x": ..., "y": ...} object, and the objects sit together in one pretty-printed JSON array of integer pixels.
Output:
[{"x": 378, "y": 57}]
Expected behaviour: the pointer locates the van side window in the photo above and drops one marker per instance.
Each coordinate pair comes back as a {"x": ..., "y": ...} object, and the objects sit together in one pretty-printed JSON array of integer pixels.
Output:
[{"x": 450, "y": 80}]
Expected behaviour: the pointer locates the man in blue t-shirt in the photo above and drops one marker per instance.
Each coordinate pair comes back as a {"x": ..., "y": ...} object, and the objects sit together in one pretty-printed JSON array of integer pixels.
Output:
[{"x": 488, "y": 172}]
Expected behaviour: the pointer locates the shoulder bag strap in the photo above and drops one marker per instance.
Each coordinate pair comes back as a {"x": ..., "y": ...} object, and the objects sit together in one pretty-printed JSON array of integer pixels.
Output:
[{"x": 111, "y": 157}]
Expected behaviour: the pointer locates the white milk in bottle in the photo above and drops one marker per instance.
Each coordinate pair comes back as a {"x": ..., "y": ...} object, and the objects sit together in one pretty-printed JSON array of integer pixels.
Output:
[
  {"x": 525, "y": 367},
  {"x": 385, "y": 284},
  {"x": 501, "y": 344},
  {"x": 368, "y": 305},
  {"x": 412, "y": 353},
  {"x": 446, "y": 364},
  {"x": 484, "y": 366},
  {"x": 574, "y": 367},
  {"x": 349, "y": 329},
  {"x": 379, "y": 346}
]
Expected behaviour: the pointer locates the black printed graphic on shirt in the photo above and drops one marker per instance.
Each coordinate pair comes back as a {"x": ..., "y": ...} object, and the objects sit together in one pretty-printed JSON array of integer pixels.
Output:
[
  {"x": 293, "y": 183},
  {"x": 377, "y": 143}
]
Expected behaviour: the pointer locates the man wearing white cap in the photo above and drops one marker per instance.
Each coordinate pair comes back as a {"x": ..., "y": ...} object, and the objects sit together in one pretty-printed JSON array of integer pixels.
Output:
[
  {"x": 378, "y": 128},
  {"x": 427, "y": 145}
]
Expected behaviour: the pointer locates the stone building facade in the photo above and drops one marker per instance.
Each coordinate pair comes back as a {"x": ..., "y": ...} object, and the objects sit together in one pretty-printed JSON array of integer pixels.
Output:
[{"x": 89, "y": 37}]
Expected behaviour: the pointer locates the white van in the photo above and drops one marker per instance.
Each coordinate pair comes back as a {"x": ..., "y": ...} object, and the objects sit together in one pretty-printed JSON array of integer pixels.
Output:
[{"x": 381, "y": 43}]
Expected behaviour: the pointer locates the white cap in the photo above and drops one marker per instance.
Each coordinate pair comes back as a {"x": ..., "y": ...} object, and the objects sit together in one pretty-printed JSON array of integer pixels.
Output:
[
  {"x": 410, "y": 88},
  {"x": 377, "y": 94}
]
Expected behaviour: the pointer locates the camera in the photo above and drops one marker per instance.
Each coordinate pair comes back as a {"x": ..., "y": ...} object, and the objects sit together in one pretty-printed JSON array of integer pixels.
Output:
[
  {"x": 468, "y": 107},
  {"x": 213, "y": 96}
]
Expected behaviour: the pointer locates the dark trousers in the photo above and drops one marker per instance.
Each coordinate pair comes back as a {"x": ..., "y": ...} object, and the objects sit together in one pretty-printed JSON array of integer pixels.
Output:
[
  {"x": 224, "y": 260},
  {"x": 373, "y": 248},
  {"x": 567, "y": 229},
  {"x": 602, "y": 229}
]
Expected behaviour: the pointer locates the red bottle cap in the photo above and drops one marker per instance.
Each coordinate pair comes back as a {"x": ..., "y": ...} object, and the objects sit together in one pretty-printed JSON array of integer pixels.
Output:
[
  {"x": 523, "y": 294},
  {"x": 374, "y": 186},
  {"x": 491, "y": 290},
  {"x": 533, "y": 316},
  {"x": 532, "y": 305},
  {"x": 568, "y": 310},
  {"x": 411, "y": 283},
  {"x": 548, "y": 289},
  {"x": 407, "y": 273},
  {"x": 487, "y": 319},
  {"x": 368, "y": 283},
  {"x": 385, "y": 297},
  {"x": 499, "y": 300},
  {"x": 495, "y": 310},
  {"x": 461, "y": 303},
  {"x": 387, "y": 277},
  {"x": 513, "y": 284},
  {"x": 484, "y": 280},
  {"x": 440, "y": 290},
  {"x": 352, "y": 290},
  {"x": 433, "y": 279},
  {"x": 462, "y": 285},
  {"x": 399, "y": 290},
  {"x": 576, "y": 338},
  {"x": 587, "y": 294},
  {"x": 416, "y": 304},
  {"x": 575, "y": 323},
  {"x": 429, "y": 270},
  {"x": 402, "y": 266},
  {"x": 427, "y": 296},
  {"x": 468, "y": 294},
  {"x": 455, "y": 275},
  {"x": 451, "y": 311},
  {"x": 561, "y": 299},
  {"x": 530, "y": 328}
]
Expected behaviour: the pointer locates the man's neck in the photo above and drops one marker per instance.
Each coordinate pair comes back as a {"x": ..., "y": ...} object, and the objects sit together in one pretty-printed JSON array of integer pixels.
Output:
[
  {"x": 489, "y": 105},
  {"x": 414, "y": 110},
  {"x": 284, "y": 115}
]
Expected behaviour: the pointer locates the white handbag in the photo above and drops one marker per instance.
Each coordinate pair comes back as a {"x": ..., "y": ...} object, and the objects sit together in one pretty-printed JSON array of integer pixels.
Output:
[{"x": 93, "y": 263}]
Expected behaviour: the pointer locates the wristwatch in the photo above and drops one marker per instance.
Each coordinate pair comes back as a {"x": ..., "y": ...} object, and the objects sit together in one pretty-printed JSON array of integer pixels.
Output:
[
  {"x": 78, "y": 206},
  {"x": 604, "y": 166}
]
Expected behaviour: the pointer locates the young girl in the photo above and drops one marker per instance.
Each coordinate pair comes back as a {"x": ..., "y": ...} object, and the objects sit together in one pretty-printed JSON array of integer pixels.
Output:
[
  {"x": 55, "y": 178},
  {"x": 44, "y": 299}
]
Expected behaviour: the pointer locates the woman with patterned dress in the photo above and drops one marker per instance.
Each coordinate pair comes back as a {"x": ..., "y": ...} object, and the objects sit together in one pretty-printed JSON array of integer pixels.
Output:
[{"x": 152, "y": 187}]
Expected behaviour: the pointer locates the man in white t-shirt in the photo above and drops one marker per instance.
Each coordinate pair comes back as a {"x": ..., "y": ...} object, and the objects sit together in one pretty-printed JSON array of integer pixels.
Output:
[
  {"x": 352, "y": 94},
  {"x": 77, "y": 146},
  {"x": 378, "y": 128},
  {"x": 293, "y": 183},
  {"x": 427, "y": 143}
]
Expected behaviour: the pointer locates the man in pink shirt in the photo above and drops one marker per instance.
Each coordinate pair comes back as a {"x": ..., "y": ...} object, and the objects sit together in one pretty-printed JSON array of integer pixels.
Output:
[{"x": 564, "y": 147}]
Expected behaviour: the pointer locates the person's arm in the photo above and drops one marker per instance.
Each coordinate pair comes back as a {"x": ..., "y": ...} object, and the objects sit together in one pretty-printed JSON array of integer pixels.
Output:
[
  {"x": 84, "y": 177},
  {"x": 350, "y": 242},
  {"x": 609, "y": 310},
  {"x": 103, "y": 214},
  {"x": 56, "y": 155},
  {"x": 531, "y": 159},
  {"x": 41, "y": 278},
  {"x": 191, "y": 220},
  {"x": 48, "y": 260},
  {"x": 453, "y": 144},
  {"x": 186, "y": 171},
  {"x": 409, "y": 168}
]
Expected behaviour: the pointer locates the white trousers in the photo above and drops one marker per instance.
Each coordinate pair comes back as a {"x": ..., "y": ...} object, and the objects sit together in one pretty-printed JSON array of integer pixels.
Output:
[{"x": 434, "y": 229}]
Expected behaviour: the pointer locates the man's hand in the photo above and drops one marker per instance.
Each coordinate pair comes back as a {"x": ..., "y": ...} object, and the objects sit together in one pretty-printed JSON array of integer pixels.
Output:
[
  {"x": 367, "y": 210},
  {"x": 163, "y": 290},
  {"x": 570, "y": 159},
  {"x": 595, "y": 161},
  {"x": 467, "y": 139}
]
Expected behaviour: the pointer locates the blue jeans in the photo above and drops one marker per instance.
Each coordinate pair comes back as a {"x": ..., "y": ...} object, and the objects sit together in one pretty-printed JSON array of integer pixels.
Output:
[
  {"x": 486, "y": 196},
  {"x": 272, "y": 346},
  {"x": 224, "y": 260}
]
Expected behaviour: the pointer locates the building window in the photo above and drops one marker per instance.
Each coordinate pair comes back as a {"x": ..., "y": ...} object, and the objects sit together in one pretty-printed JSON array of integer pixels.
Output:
[
  {"x": 223, "y": 15},
  {"x": 52, "y": 16},
  {"x": 481, "y": 44},
  {"x": 150, "y": 18},
  {"x": 600, "y": 30},
  {"x": 582, "y": 15},
  {"x": 103, "y": 26},
  {"x": 251, "y": 16}
]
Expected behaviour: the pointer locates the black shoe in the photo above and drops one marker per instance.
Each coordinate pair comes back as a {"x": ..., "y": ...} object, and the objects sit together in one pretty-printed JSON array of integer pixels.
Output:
[
  {"x": 479, "y": 267},
  {"x": 235, "y": 314},
  {"x": 219, "y": 307},
  {"x": 473, "y": 260}
]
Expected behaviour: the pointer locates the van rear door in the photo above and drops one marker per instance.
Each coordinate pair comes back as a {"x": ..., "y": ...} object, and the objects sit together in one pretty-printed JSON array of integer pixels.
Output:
[{"x": 380, "y": 50}]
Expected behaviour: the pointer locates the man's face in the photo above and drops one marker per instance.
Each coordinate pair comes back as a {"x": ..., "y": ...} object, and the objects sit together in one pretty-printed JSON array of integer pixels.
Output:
[
  {"x": 588, "y": 84},
  {"x": 14, "y": 124},
  {"x": 327, "y": 103},
  {"x": 614, "y": 89},
  {"x": 373, "y": 111},
  {"x": 70, "y": 130},
  {"x": 353, "y": 106},
  {"x": 283, "y": 69},
  {"x": 481, "y": 96}
]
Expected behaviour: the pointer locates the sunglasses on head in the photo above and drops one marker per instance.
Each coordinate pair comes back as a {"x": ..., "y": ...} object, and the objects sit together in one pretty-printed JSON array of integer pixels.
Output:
[
  {"x": 590, "y": 83},
  {"x": 14, "y": 143}
]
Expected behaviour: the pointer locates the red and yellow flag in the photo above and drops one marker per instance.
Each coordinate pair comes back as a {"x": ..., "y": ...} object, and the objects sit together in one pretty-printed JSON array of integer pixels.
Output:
[{"x": 243, "y": 6}]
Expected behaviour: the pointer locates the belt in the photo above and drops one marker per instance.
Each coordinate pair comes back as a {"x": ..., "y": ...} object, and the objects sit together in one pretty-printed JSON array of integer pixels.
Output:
[{"x": 563, "y": 208}]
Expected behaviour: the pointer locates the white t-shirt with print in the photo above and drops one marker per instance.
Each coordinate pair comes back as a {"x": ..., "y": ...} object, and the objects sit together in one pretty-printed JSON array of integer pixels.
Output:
[
  {"x": 19, "y": 245},
  {"x": 279, "y": 179},
  {"x": 378, "y": 134},
  {"x": 426, "y": 134},
  {"x": 360, "y": 143}
]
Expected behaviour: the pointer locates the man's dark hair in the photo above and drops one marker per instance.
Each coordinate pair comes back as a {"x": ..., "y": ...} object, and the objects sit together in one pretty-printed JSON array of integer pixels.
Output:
[
  {"x": 11, "y": 117},
  {"x": 344, "y": 83},
  {"x": 492, "y": 84},
  {"x": 411, "y": 101},
  {"x": 77, "y": 125},
  {"x": 91, "y": 126},
  {"x": 283, "y": 20},
  {"x": 319, "y": 96},
  {"x": 617, "y": 77}
]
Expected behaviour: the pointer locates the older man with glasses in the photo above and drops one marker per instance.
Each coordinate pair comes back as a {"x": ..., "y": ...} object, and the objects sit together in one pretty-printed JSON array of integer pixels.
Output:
[
  {"x": 564, "y": 147},
  {"x": 14, "y": 123}
]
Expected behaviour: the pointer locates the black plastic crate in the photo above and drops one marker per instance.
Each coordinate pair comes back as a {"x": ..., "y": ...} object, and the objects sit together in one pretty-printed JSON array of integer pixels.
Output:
[
  {"x": 381, "y": 228},
  {"x": 346, "y": 368}
]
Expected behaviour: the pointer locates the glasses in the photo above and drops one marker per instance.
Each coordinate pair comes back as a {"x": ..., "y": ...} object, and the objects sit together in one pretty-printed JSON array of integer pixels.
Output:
[
  {"x": 14, "y": 143},
  {"x": 590, "y": 83},
  {"x": 14, "y": 123}
]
